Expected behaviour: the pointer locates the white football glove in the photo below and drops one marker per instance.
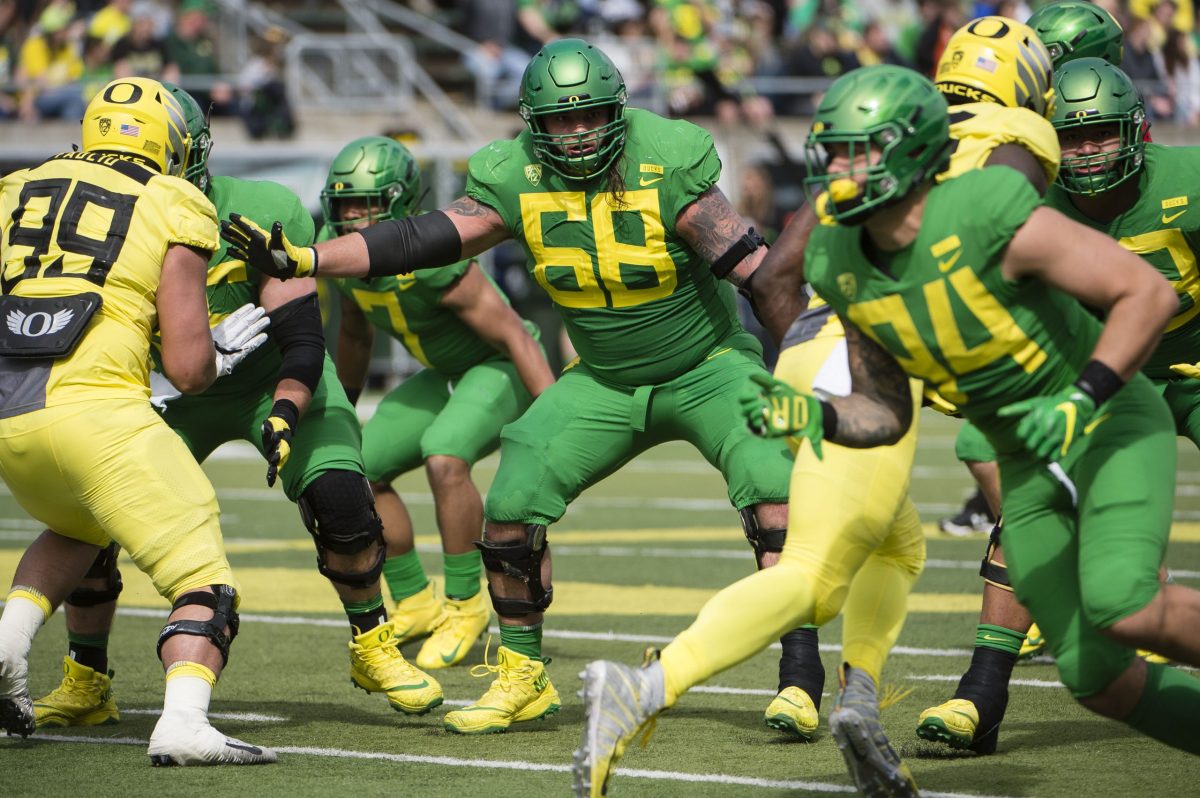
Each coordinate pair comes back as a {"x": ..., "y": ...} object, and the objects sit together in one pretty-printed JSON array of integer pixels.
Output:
[{"x": 239, "y": 334}]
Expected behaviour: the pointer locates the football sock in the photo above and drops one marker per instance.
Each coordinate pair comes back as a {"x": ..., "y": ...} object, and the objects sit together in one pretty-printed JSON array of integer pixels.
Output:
[
  {"x": 24, "y": 613},
  {"x": 1168, "y": 708},
  {"x": 189, "y": 688},
  {"x": 999, "y": 638},
  {"x": 365, "y": 615},
  {"x": 800, "y": 665},
  {"x": 89, "y": 650},
  {"x": 525, "y": 640},
  {"x": 404, "y": 575},
  {"x": 462, "y": 574},
  {"x": 985, "y": 684}
]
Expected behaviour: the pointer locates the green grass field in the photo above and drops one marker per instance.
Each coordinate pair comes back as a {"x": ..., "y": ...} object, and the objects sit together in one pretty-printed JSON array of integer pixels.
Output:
[{"x": 634, "y": 560}]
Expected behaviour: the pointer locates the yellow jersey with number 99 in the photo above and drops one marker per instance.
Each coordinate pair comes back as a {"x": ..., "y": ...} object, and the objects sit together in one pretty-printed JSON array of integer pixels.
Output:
[
  {"x": 976, "y": 129},
  {"x": 93, "y": 222}
]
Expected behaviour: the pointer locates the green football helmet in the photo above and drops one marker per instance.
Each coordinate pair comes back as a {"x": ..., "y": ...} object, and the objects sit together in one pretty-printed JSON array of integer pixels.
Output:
[
  {"x": 884, "y": 109},
  {"x": 565, "y": 75},
  {"x": 1091, "y": 92},
  {"x": 1073, "y": 29},
  {"x": 378, "y": 169},
  {"x": 196, "y": 121}
]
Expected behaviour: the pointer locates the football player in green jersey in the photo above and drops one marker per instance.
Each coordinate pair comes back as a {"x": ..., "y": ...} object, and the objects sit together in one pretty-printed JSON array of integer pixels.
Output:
[
  {"x": 1115, "y": 182},
  {"x": 284, "y": 399},
  {"x": 483, "y": 366},
  {"x": 624, "y": 227},
  {"x": 1087, "y": 451}
]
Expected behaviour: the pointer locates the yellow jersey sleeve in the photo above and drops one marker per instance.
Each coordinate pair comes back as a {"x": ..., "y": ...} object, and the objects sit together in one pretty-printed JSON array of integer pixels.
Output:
[
  {"x": 979, "y": 128},
  {"x": 184, "y": 214}
]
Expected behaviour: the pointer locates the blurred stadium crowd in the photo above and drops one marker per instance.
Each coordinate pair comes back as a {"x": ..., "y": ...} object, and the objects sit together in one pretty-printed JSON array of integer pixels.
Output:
[{"x": 737, "y": 60}]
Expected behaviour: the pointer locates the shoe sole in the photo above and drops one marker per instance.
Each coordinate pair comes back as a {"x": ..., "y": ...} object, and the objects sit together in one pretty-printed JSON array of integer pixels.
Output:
[
  {"x": 500, "y": 729},
  {"x": 415, "y": 712},
  {"x": 13, "y": 720},
  {"x": 162, "y": 761},
  {"x": 783, "y": 724},
  {"x": 62, "y": 723},
  {"x": 873, "y": 774},
  {"x": 935, "y": 731}
]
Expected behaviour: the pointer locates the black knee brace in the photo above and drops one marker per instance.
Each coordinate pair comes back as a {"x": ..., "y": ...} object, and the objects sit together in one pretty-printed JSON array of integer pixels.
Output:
[
  {"x": 520, "y": 560},
  {"x": 104, "y": 567},
  {"x": 994, "y": 573},
  {"x": 221, "y": 602},
  {"x": 762, "y": 540},
  {"x": 338, "y": 509}
]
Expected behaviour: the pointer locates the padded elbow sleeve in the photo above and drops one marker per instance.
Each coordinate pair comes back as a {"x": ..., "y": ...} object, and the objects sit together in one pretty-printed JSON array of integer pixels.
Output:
[
  {"x": 296, "y": 328},
  {"x": 399, "y": 246}
]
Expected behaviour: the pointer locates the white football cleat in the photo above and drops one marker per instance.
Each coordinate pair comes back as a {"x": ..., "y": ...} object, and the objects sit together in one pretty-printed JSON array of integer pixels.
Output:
[
  {"x": 16, "y": 706},
  {"x": 183, "y": 739}
]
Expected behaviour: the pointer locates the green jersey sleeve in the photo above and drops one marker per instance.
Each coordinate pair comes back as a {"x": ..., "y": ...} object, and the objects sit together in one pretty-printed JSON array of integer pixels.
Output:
[{"x": 492, "y": 171}]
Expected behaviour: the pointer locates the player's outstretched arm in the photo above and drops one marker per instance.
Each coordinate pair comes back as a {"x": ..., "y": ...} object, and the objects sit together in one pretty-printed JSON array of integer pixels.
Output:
[
  {"x": 777, "y": 286},
  {"x": 188, "y": 357},
  {"x": 477, "y": 302},
  {"x": 879, "y": 409},
  {"x": 1137, "y": 300},
  {"x": 355, "y": 338},
  {"x": 464, "y": 229},
  {"x": 711, "y": 227}
]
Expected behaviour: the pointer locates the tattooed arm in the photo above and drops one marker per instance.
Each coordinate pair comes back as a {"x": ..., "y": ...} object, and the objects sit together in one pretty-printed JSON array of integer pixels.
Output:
[
  {"x": 463, "y": 229},
  {"x": 778, "y": 285},
  {"x": 879, "y": 410},
  {"x": 710, "y": 226}
]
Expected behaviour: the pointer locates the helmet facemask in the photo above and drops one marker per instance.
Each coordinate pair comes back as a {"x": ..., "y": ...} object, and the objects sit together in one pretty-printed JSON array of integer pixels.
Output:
[
  {"x": 605, "y": 141},
  {"x": 1097, "y": 173}
]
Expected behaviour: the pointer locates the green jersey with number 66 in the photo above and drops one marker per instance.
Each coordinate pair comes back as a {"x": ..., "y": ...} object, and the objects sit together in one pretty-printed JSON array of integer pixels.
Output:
[
  {"x": 409, "y": 308},
  {"x": 943, "y": 308},
  {"x": 640, "y": 306},
  {"x": 1163, "y": 226}
]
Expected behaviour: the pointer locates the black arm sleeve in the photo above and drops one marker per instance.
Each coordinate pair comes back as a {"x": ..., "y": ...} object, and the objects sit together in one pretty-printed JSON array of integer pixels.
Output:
[
  {"x": 296, "y": 328},
  {"x": 399, "y": 246}
]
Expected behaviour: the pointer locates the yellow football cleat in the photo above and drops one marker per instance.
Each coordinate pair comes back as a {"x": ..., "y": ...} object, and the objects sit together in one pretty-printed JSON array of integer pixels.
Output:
[
  {"x": 1034, "y": 643},
  {"x": 455, "y": 632},
  {"x": 415, "y": 616},
  {"x": 377, "y": 666},
  {"x": 794, "y": 713},
  {"x": 84, "y": 698},
  {"x": 953, "y": 723},
  {"x": 521, "y": 691}
]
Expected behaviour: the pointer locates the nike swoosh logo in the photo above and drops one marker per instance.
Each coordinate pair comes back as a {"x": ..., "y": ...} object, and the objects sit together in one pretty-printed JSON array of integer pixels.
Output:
[
  {"x": 993, "y": 639},
  {"x": 251, "y": 749},
  {"x": 948, "y": 264},
  {"x": 424, "y": 683},
  {"x": 450, "y": 658},
  {"x": 719, "y": 352},
  {"x": 1068, "y": 410},
  {"x": 1088, "y": 430},
  {"x": 1168, "y": 219},
  {"x": 644, "y": 182}
]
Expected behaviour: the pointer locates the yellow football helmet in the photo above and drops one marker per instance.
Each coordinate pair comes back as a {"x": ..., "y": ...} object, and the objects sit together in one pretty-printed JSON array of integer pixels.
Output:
[
  {"x": 999, "y": 60},
  {"x": 138, "y": 116}
]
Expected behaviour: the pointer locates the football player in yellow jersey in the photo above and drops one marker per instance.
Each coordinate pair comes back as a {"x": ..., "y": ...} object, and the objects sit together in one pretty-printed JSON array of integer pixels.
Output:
[
  {"x": 101, "y": 247},
  {"x": 1000, "y": 74}
]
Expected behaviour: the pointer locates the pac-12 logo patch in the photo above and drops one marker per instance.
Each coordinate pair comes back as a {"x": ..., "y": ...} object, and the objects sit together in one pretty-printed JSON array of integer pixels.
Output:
[
  {"x": 105, "y": 125},
  {"x": 533, "y": 173},
  {"x": 39, "y": 323}
]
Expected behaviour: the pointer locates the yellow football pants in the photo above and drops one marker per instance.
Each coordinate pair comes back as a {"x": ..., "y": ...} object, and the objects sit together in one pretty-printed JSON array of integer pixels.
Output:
[
  {"x": 113, "y": 470},
  {"x": 854, "y": 539}
]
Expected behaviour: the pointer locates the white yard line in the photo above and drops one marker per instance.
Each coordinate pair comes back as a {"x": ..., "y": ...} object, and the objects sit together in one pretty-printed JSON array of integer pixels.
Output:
[
  {"x": 510, "y": 764},
  {"x": 249, "y": 717},
  {"x": 946, "y": 677}
]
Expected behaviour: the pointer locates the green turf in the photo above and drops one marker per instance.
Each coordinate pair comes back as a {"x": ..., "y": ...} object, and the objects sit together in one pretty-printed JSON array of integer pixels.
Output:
[{"x": 298, "y": 672}]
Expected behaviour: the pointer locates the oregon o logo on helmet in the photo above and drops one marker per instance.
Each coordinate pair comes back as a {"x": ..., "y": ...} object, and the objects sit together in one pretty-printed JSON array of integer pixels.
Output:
[
  {"x": 135, "y": 93},
  {"x": 999, "y": 33}
]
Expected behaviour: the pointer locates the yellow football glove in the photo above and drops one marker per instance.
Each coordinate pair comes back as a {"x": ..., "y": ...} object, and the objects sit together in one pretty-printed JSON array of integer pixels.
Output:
[
  {"x": 272, "y": 254},
  {"x": 774, "y": 409},
  {"x": 277, "y": 436},
  {"x": 1190, "y": 370}
]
